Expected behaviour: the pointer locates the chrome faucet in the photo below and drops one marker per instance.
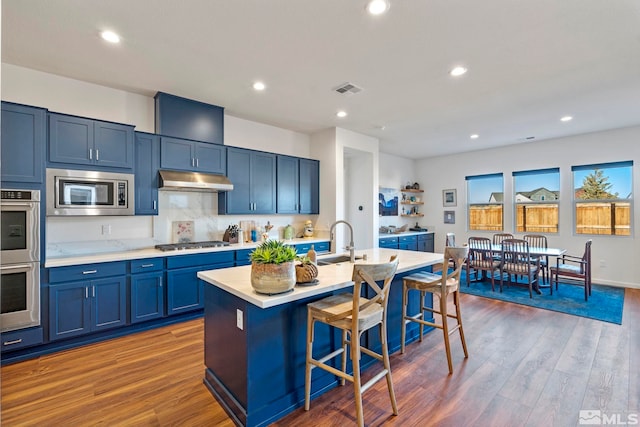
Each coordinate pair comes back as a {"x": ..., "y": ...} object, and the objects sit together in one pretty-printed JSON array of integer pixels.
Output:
[{"x": 351, "y": 247}]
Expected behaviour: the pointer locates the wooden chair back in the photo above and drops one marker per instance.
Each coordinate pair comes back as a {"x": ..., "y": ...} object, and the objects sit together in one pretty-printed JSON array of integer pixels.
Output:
[
  {"x": 516, "y": 257},
  {"x": 480, "y": 251},
  {"x": 499, "y": 237},
  {"x": 450, "y": 240},
  {"x": 451, "y": 281}
]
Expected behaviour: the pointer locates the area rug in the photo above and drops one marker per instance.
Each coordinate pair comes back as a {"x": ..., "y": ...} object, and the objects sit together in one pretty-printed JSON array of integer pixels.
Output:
[{"x": 605, "y": 302}]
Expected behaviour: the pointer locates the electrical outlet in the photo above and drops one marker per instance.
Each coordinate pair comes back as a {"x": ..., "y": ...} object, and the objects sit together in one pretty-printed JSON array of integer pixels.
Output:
[
  {"x": 106, "y": 229},
  {"x": 603, "y": 263},
  {"x": 239, "y": 322}
]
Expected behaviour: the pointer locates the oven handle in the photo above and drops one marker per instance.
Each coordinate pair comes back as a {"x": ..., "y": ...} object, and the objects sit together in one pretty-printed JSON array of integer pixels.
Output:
[
  {"x": 30, "y": 205},
  {"x": 16, "y": 267}
]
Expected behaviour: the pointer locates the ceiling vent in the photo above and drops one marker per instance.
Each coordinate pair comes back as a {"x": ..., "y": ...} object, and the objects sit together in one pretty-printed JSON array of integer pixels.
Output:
[{"x": 348, "y": 89}]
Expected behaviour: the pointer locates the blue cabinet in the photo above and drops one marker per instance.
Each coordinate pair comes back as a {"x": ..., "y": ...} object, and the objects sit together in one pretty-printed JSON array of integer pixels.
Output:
[
  {"x": 146, "y": 173},
  {"x": 93, "y": 304},
  {"x": 408, "y": 243},
  {"x": 189, "y": 119},
  {"x": 416, "y": 242},
  {"x": 14, "y": 340},
  {"x": 388, "y": 242},
  {"x": 183, "y": 154},
  {"x": 82, "y": 141},
  {"x": 24, "y": 137},
  {"x": 185, "y": 292},
  {"x": 253, "y": 174},
  {"x": 319, "y": 247},
  {"x": 146, "y": 290},
  {"x": 298, "y": 188},
  {"x": 426, "y": 242}
]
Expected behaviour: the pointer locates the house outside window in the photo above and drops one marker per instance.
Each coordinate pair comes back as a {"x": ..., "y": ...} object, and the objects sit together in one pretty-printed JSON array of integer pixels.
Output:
[
  {"x": 603, "y": 197},
  {"x": 485, "y": 200},
  {"x": 537, "y": 199}
]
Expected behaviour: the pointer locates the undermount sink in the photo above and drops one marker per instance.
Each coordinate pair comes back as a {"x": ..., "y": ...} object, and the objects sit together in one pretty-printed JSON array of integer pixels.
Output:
[{"x": 335, "y": 259}]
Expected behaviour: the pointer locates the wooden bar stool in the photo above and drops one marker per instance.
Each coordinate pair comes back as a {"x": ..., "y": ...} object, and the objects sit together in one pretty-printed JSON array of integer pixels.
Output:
[
  {"x": 354, "y": 314},
  {"x": 441, "y": 286}
]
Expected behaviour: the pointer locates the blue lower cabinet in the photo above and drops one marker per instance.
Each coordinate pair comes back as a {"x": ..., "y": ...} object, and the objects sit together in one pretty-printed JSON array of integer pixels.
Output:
[
  {"x": 408, "y": 243},
  {"x": 319, "y": 247},
  {"x": 14, "y": 340},
  {"x": 147, "y": 296},
  {"x": 242, "y": 257},
  {"x": 82, "y": 307},
  {"x": 426, "y": 242},
  {"x": 388, "y": 242}
]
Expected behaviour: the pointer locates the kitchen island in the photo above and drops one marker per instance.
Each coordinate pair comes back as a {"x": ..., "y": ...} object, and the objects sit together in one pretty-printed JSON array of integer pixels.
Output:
[{"x": 255, "y": 345}]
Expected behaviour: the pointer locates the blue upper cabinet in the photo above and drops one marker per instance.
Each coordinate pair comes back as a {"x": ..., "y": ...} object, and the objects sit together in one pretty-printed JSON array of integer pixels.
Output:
[
  {"x": 298, "y": 185},
  {"x": 188, "y": 119},
  {"x": 253, "y": 174},
  {"x": 24, "y": 137},
  {"x": 146, "y": 173},
  {"x": 81, "y": 141},
  {"x": 309, "y": 191},
  {"x": 182, "y": 154},
  {"x": 288, "y": 185}
]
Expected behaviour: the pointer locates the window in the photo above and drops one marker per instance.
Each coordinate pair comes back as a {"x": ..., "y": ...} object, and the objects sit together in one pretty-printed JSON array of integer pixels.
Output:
[
  {"x": 537, "y": 194},
  {"x": 485, "y": 202},
  {"x": 602, "y": 198}
]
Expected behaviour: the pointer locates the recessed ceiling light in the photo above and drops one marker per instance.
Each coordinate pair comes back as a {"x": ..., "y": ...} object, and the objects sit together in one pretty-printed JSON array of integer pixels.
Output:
[
  {"x": 377, "y": 7},
  {"x": 110, "y": 36},
  {"x": 259, "y": 86},
  {"x": 474, "y": 136},
  {"x": 341, "y": 114},
  {"x": 566, "y": 119},
  {"x": 458, "y": 71}
]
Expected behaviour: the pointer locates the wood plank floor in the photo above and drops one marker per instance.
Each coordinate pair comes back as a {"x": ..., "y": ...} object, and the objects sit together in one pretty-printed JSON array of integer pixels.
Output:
[{"x": 527, "y": 367}]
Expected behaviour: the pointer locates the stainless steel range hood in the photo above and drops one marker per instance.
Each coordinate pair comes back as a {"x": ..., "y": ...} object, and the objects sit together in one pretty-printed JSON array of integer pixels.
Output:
[{"x": 194, "y": 181}]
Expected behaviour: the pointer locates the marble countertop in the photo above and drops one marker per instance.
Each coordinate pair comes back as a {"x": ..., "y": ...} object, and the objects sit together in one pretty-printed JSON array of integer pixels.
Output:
[
  {"x": 153, "y": 253},
  {"x": 237, "y": 280}
]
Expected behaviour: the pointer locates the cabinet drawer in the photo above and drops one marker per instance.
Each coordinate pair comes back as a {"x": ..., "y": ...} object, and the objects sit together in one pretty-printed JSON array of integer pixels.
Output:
[
  {"x": 195, "y": 260},
  {"x": 321, "y": 247},
  {"x": 87, "y": 271},
  {"x": 388, "y": 242},
  {"x": 407, "y": 239},
  {"x": 242, "y": 256},
  {"x": 21, "y": 338},
  {"x": 146, "y": 265}
]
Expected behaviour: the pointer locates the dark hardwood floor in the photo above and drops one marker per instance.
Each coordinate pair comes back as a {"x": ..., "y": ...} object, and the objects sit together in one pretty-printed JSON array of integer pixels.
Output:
[{"x": 527, "y": 367}]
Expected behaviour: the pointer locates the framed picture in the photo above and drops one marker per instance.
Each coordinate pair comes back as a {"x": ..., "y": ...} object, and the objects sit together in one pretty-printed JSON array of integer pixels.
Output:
[
  {"x": 449, "y": 198},
  {"x": 388, "y": 202},
  {"x": 450, "y": 217}
]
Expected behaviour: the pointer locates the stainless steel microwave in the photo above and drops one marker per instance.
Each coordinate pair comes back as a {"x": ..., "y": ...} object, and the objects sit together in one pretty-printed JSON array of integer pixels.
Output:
[{"x": 78, "y": 192}]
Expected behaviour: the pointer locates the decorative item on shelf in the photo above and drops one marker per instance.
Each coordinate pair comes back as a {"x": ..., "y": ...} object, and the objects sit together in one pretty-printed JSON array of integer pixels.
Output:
[
  {"x": 409, "y": 186},
  {"x": 415, "y": 186},
  {"x": 273, "y": 267},
  {"x": 311, "y": 254},
  {"x": 266, "y": 230},
  {"x": 308, "y": 229},
  {"x": 289, "y": 232},
  {"x": 306, "y": 272}
]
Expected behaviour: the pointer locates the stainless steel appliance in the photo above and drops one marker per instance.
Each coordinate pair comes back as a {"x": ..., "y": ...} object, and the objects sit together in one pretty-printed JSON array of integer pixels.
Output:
[
  {"x": 191, "y": 245},
  {"x": 77, "y": 192},
  {"x": 20, "y": 251}
]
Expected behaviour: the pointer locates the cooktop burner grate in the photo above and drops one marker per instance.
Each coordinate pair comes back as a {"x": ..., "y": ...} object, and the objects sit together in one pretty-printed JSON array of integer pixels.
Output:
[{"x": 191, "y": 245}]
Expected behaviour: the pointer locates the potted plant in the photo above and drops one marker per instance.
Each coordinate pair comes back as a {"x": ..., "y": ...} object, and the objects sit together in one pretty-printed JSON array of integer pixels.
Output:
[
  {"x": 306, "y": 271},
  {"x": 272, "y": 267}
]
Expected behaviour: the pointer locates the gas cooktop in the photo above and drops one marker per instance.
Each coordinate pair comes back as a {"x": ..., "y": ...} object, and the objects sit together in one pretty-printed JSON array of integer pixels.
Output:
[{"x": 191, "y": 245}]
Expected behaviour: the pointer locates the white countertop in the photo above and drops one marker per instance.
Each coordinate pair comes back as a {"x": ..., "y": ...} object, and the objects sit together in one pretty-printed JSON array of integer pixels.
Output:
[
  {"x": 237, "y": 280},
  {"x": 154, "y": 253}
]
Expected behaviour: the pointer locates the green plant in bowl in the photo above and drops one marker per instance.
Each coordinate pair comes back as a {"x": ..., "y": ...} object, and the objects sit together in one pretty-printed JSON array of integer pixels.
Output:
[{"x": 273, "y": 252}]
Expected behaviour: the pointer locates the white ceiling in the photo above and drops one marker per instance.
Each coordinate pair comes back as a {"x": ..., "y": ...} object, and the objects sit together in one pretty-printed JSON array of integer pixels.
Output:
[{"x": 530, "y": 62}]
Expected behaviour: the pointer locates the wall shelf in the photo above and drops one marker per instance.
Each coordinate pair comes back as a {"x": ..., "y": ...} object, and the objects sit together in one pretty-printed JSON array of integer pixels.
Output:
[
  {"x": 411, "y": 190},
  {"x": 412, "y": 203},
  {"x": 412, "y": 215}
]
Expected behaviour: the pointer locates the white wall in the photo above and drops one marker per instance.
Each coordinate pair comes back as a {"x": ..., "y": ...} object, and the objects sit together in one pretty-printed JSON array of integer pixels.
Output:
[{"x": 619, "y": 254}]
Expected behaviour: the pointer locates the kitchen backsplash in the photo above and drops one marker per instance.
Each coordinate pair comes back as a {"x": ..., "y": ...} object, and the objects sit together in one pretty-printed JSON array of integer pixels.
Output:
[{"x": 67, "y": 236}]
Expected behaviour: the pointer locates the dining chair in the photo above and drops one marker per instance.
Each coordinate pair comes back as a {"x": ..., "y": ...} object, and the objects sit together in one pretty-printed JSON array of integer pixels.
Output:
[
  {"x": 440, "y": 285},
  {"x": 574, "y": 268},
  {"x": 539, "y": 241},
  {"x": 450, "y": 241},
  {"x": 516, "y": 260},
  {"x": 354, "y": 314},
  {"x": 499, "y": 237},
  {"x": 481, "y": 260}
]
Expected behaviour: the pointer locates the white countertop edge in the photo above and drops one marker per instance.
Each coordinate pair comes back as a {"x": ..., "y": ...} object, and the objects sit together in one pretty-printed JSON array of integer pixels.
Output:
[{"x": 237, "y": 280}]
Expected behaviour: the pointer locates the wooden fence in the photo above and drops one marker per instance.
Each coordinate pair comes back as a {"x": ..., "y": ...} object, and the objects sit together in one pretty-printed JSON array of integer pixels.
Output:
[{"x": 612, "y": 218}]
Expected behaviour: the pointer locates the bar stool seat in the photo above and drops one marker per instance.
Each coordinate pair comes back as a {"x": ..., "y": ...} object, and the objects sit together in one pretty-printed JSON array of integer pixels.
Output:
[
  {"x": 441, "y": 286},
  {"x": 354, "y": 314}
]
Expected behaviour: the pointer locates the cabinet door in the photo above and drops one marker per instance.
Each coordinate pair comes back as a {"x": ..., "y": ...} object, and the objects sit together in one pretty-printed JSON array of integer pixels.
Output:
[
  {"x": 109, "y": 305},
  {"x": 309, "y": 186},
  {"x": 71, "y": 140},
  {"x": 184, "y": 290},
  {"x": 210, "y": 158},
  {"x": 147, "y": 298},
  {"x": 113, "y": 145},
  {"x": 287, "y": 185},
  {"x": 146, "y": 173},
  {"x": 237, "y": 201},
  {"x": 263, "y": 182},
  {"x": 23, "y": 143},
  {"x": 69, "y": 310},
  {"x": 177, "y": 153}
]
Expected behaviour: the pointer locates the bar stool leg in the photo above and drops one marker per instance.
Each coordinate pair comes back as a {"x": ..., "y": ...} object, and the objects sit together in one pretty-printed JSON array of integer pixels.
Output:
[
  {"x": 422, "y": 295},
  {"x": 456, "y": 301},
  {"x": 403, "y": 331},
  {"x": 357, "y": 387},
  {"x": 445, "y": 330},
  {"x": 307, "y": 379},
  {"x": 387, "y": 366},
  {"x": 344, "y": 355}
]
